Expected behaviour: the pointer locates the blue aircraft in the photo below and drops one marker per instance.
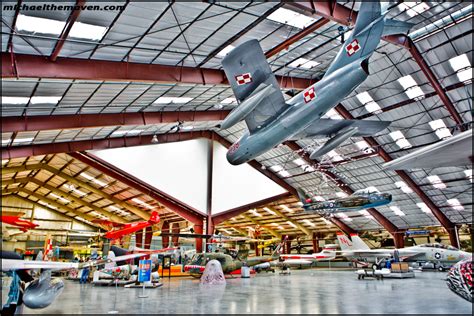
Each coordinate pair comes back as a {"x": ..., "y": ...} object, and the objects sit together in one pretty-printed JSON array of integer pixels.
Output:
[
  {"x": 359, "y": 200},
  {"x": 271, "y": 120}
]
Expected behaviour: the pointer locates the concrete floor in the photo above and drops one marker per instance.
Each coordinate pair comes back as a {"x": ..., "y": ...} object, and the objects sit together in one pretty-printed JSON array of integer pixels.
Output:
[{"x": 304, "y": 291}]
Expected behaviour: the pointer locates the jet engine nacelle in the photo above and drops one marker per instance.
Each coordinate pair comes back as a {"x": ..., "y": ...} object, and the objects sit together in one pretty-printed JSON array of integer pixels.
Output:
[
  {"x": 247, "y": 106},
  {"x": 41, "y": 292},
  {"x": 334, "y": 142}
]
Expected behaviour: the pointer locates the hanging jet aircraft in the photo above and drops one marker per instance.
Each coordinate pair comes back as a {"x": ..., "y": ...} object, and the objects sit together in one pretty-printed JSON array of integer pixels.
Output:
[
  {"x": 441, "y": 255},
  {"x": 15, "y": 220},
  {"x": 359, "y": 200},
  {"x": 271, "y": 120},
  {"x": 328, "y": 253}
]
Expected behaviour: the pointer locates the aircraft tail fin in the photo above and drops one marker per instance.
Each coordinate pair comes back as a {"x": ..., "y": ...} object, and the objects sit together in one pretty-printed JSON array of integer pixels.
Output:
[
  {"x": 154, "y": 218},
  {"x": 364, "y": 38},
  {"x": 344, "y": 242},
  {"x": 304, "y": 198},
  {"x": 246, "y": 68},
  {"x": 358, "y": 243}
]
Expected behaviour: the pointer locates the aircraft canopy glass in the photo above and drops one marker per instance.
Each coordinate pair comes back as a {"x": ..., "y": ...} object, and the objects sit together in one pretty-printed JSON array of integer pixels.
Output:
[{"x": 366, "y": 191}]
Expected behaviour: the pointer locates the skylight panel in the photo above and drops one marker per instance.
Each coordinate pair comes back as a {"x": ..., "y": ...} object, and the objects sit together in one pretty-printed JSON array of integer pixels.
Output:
[
  {"x": 403, "y": 186},
  {"x": 468, "y": 174},
  {"x": 5, "y": 142},
  {"x": 364, "y": 146},
  {"x": 400, "y": 139},
  {"x": 304, "y": 63},
  {"x": 23, "y": 139},
  {"x": 72, "y": 188},
  {"x": 276, "y": 168},
  {"x": 411, "y": 88},
  {"x": 440, "y": 129},
  {"x": 341, "y": 194},
  {"x": 414, "y": 8},
  {"x": 15, "y": 100},
  {"x": 328, "y": 222},
  {"x": 364, "y": 97},
  {"x": 424, "y": 208},
  {"x": 172, "y": 100},
  {"x": 291, "y": 224},
  {"x": 397, "y": 211},
  {"x": 334, "y": 156},
  {"x": 228, "y": 101},
  {"x": 307, "y": 221},
  {"x": 292, "y": 18},
  {"x": 284, "y": 173},
  {"x": 45, "y": 100},
  {"x": 462, "y": 67},
  {"x": 148, "y": 206},
  {"x": 87, "y": 31},
  {"x": 286, "y": 208},
  {"x": 269, "y": 211},
  {"x": 91, "y": 178},
  {"x": 299, "y": 162},
  {"x": 39, "y": 25},
  {"x": 114, "y": 208},
  {"x": 333, "y": 115},
  {"x": 60, "y": 198},
  {"x": 436, "y": 182},
  {"x": 366, "y": 214},
  {"x": 344, "y": 217},
  {"x": 455, "y": 204},
  {"x": 225, "y": 51},
  {"x": 254, "y": 212}
]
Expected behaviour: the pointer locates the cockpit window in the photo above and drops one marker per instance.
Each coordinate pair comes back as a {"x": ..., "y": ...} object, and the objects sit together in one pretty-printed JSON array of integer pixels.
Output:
[{"x": 366, "y": 191}]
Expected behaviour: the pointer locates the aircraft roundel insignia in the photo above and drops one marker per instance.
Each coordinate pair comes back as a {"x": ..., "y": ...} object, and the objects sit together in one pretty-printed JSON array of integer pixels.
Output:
[
  {"x": 437, "y": 255},
  {"x": 309, "y": 95},
  {"x": 243, "y": 78},
  {"x": 353, "y": 47},
  {"x": 234, "y": 148}
]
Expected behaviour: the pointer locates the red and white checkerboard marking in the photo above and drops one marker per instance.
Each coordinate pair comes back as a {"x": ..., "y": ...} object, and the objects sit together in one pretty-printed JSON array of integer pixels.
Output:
[
  {"x": 309, "y": 95},
  {"x": 243, "y": 78},
  {"x": 353, "y": 47}
]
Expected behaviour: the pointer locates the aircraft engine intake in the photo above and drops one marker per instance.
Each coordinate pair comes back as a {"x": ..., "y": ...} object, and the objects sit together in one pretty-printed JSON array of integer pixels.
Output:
[{"x": 41, "y": 292}]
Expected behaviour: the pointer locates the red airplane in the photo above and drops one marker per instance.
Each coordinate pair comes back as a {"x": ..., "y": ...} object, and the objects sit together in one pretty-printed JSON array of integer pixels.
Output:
[
  {"x": 132, "y": 227},
  {"x": 15, "y": 220}
]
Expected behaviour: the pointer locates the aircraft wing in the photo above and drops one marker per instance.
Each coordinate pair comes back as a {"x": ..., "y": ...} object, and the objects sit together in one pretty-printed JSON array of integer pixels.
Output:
[
  {"x": 327, "y": 127},
  {"x": 246, "y": 68},
  {"x": 14, "y": 264},
  {"x": 379, "y": 253}
]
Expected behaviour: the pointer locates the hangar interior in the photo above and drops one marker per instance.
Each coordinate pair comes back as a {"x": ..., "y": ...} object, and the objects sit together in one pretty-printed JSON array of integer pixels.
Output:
[{"x": 110, "y": 115}]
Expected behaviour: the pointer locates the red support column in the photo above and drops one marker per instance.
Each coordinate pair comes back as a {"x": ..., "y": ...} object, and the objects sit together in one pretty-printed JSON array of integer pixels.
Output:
[
  {"x": 165, "y": 240},
  {"x": 139, "y": 239},
  {"x": 399, "y": 239},
  {"x": 175, "y": 239},
  {"x": 198, "y": 229},
  {"x": 148, "y": 237},
  {"x": 288, "y": 245},
  {"x": 315, "y": 242}
]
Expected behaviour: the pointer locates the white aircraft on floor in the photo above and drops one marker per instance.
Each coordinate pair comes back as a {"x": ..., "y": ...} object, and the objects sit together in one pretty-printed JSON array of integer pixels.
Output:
[
  {"x": 328, "y": 253},
  {"x": 441, "y": 255}
]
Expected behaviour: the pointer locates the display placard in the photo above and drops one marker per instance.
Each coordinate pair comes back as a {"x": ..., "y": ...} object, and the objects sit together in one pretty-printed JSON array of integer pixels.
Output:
[{"x": 144, "y": 271}]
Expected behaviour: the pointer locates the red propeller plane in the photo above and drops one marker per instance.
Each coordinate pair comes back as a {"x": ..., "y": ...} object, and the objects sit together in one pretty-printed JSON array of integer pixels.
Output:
[
  {"x": 126, "y": 229},
  {"x": 15, "y": 220}
]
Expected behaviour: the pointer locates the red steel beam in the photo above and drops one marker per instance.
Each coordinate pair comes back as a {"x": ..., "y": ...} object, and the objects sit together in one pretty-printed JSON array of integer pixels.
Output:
[
  {"x": 65, "y": 33},
  {"x": 180, "y": 208},
  {"x": 57, "y": 122},
  {"x": 442, "y": 218},
  {"x": 222, "y": 217},
  {"x": 342, "y": 15},
  {"x": 31, "y": 66},
  {"x": 296, "y": 37}
]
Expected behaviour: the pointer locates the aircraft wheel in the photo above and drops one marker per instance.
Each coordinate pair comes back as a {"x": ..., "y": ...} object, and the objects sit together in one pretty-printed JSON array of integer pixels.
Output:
[
  {"x": 441, "y": 269},
  {"x": 374, "y": 267}
]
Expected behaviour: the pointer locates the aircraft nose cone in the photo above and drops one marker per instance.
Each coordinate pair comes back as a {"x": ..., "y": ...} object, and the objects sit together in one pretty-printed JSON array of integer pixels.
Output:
[{"x": 235, "y": 159}]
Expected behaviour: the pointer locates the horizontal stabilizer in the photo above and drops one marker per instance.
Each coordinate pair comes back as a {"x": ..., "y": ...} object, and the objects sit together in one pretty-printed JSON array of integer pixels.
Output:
[{"x": 393, "y": 27}]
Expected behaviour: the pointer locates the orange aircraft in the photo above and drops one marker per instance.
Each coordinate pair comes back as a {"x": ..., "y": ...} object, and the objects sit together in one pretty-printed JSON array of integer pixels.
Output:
[{"x": 126, "y": 229}]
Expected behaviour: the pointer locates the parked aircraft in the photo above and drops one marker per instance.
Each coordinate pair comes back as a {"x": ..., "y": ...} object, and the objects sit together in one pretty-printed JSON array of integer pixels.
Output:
[
  {"x": 359, "y": 200},
  {"x": 271, "y": 120},
  {"x": 15, "y": 220},
  {"x": 328, "y": 253},
  {"x": 441, "y": 255},
  {"x": 228, "y": 263},
  {"x": 41, "y": 292}
]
